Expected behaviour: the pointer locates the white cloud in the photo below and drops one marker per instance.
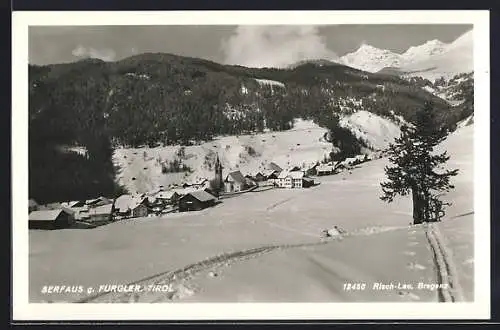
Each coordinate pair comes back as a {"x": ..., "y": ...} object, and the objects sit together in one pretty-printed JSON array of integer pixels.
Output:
[
  {"x": 89, "y": 52},
  {"x": 275, "y": 46}
]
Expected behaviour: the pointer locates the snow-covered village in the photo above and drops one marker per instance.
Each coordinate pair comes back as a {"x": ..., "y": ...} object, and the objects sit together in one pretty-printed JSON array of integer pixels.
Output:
[{"x": 343, "y": 174}]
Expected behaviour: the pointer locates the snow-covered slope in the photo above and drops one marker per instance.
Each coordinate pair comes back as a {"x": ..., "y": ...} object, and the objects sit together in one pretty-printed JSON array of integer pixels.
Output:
[
  {"x": 430, "y": 60},
  {"x": 378, "y": 132},
  {"x": 303, "y": 145},
  {"x": 428, "y": 49},
  {"x": 371, "y": 59},
  {"x": 456, "y": 58}
]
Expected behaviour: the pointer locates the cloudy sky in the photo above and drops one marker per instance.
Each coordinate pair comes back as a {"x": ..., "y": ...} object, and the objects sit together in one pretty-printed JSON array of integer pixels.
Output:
[{"x": 257, "y": 45}]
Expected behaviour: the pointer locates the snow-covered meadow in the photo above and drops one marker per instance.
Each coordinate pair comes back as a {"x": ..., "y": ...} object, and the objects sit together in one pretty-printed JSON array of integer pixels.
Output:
[
  {"x": 301, "y": 146},
  {"x": 379, "y": 247}
]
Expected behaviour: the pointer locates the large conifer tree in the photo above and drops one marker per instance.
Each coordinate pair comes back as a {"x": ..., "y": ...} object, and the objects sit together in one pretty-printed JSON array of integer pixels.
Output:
[{"x": 418, "y": 169}]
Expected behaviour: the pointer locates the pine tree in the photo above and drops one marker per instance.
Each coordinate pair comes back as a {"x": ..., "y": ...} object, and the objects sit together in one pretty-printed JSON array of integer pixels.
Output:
[{"x": 416, "y": 167}]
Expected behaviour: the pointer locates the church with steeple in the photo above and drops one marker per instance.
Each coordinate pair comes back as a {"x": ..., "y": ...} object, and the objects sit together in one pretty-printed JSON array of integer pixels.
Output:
[{"x": 219, "y": 181}]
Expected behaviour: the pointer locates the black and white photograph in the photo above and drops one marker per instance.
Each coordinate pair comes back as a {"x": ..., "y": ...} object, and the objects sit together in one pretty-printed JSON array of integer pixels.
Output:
[{"x": 274, "y": 162}]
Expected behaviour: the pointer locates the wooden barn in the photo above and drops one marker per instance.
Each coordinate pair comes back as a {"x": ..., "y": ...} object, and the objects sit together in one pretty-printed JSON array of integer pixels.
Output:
[
  {"x": 196, "y": 200},
  {"x": 51, "y": 219}
]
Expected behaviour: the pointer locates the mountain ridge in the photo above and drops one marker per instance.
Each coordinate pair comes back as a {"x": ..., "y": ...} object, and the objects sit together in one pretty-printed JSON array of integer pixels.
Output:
[{"x": 429, "y": 60}]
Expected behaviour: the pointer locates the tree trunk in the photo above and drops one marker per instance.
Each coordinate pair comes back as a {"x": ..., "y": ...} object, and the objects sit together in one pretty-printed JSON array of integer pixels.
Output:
[{"x": 417, "y": 206}]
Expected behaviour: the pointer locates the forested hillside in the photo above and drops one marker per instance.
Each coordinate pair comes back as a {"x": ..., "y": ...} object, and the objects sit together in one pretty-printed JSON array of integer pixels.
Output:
[{"x": 152, "y": 99}]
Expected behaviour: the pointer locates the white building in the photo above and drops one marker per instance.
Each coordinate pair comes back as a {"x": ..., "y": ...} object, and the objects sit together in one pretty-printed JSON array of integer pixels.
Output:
[{"x": 293, "y": 179}]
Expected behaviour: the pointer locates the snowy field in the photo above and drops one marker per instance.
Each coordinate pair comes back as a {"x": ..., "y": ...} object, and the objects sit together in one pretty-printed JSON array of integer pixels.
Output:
[
  {"x": 380, "y": 246},
  {"x": 301, "y": 146},
  {"x": 250, "y": 153}
]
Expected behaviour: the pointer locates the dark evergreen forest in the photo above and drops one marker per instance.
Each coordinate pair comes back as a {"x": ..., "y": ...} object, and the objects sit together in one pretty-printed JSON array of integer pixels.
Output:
[{"x": 153, "y": 99}]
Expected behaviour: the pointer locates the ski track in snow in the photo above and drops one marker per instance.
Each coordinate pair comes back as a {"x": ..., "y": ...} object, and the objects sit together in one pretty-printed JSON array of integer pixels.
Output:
[
  {"x": 174, "y": 279},
  {"x": 447, "y": 273}
]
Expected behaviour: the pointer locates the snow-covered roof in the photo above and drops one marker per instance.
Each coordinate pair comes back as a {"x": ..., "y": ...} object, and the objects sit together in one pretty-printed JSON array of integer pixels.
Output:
[
  {"x": 184, "y": 191},
  {"x": 296, "y": 174},
  {"x": 103, "y": 209},
  {"x": 166, "y": 194},
  {"x": 267, "y": 173},
  {"x": 202, "y": 195},
  {"x": 283, "y": 174},
  {"x": 125, "y": 202},
  {"x": 84, "y": 208},
  {"x": 236, "y": 176},
  {"x": 292, "y": 174},
  {"x": 46, "y": 215},
  {"x": 324, "y": 168}
]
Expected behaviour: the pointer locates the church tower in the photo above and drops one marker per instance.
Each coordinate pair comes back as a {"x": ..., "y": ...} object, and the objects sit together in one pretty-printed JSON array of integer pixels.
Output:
[{"x": 219, "y": 182}]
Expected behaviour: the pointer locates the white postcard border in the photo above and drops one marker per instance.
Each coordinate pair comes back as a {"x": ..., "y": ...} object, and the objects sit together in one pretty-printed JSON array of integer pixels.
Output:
[{"x": 23, "y": 310}]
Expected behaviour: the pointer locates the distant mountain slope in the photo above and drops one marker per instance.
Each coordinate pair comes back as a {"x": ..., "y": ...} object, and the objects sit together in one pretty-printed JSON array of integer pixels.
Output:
[
  {"x": 431, "y": 60},
  {"x": 371, "y": 59},
  {"x": 456, "y": 58}
]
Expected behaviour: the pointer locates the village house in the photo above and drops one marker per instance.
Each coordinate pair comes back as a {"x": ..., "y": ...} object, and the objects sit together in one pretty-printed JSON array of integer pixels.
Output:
[
  {"x": 99, "y": 201},
  {"x": 139, "y": 209},
  {"x": 152, "y": 201},
  {"x": 50, "y": 206},
  {"x": 51, "y": 219},
  {"x": 351, "y": 161},
  {"x": 101, "y": 213},
  {"x": 271, "y": 175},
  {"x": 311, "y": 169},
  {"x": 73, "y": 204},
  {"x": 293, "y": 169},
  {"x": 81, "y": 213},
  {"x": 297, "y": 177},
  {"x": 167, "y": 197},
  {"x": 283, "y": 180},
  {"x": 250, "y": 181},
  {"x": 324, "y": 170},
  {"x": 122, "y": 205},
  {"x": 183, "y": 191},
  {"x": 258, "y": 177},
  {"x": 200, "y": 184},
  {"x": 294, "y": 179},
  {"x": 131, "y": 206},
  {"x": 234, "y": 182},
  {"x": 196, "y": 200}
]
